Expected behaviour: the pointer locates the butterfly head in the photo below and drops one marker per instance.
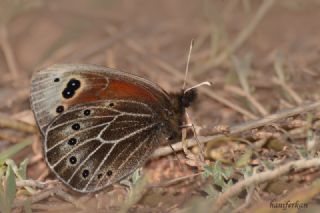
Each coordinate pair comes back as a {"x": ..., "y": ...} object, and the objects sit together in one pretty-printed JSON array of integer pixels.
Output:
[{"x": 175, "y": 117}]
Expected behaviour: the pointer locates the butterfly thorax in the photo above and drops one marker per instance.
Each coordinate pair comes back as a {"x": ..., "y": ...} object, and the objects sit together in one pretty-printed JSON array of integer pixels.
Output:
[{"x": 174, "y": 117}]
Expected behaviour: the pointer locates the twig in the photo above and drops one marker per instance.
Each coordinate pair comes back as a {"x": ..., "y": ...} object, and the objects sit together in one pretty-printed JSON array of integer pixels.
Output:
[
  {"x": 247, "y": 201},
  {"x": 44, "y": 174},
  {"x": 241, "y": 127},
  {"x": 8, "y": 52},
  {"x": 263, "y": 177},
  {"x": 289, "y": 90},
  {"x": 6, "y": 122},
  {"x": 37, "y": 197},
  {"x": 281, "y": 79},
  {"x": 9, "y": 137},
  {"x": 67, "y": 197},
  {"x": 174, "y": 181},
  {"x": 101, "y": 45},
  {"x": 57, "y": 190},
  {"x": 34, "y": 183},
  {"x": 249, "y": 97},
  {"x": 241, "y": 38}
]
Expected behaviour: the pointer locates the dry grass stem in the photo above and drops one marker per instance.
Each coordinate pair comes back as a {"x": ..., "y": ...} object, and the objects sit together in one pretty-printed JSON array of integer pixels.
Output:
[
  {"x": 240, "y": 39},
  {"x": 8, "y": 52},
  {"x": 249, "y": 97},
  {"x": 289, "y": 90},
  {"x": 34, "y": 183},
  {"x": 263, "y": 177},
  {"x": 7, "y": 122},
  {"x": 241, "y": 127}
]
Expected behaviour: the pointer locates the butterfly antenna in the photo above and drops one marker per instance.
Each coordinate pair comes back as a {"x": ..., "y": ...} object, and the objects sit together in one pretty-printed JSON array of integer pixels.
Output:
[
  {"x": 184, "y": 91},
  {"x": 207, "y": 83},
  {"x": 187, "y": 66}
]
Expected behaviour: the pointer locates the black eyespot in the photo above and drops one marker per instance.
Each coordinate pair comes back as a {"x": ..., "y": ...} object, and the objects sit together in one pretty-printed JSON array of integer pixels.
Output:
[
  {"x": 99, "y": 176},
  {"x": 74, "y": 84},
  {"x": 109, "y": 173},
  {"x": 73, "y": 160},
  {"x": 56, "y": 80},
  {"x": 72, "y": 141},
  {"x": 60, "y": 109},
  {"x": 68, "y": 93},
  {"x": 111, "y": 104},
  {"x": 85, "y": 173},
  {"x": 87, "y": 112},
  {"x": 75, "y": 126}
]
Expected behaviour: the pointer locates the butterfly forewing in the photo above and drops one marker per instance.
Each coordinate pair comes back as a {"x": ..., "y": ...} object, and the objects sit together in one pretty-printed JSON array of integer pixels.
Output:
[
  {"x": 94, "y": 145},
  {"x": 60, "y": 87}
]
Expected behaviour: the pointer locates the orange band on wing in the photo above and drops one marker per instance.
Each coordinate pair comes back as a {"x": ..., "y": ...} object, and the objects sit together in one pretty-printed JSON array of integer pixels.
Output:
[
  {"x": 123, "y": 89},
  {"x": 101, "y": 88}
]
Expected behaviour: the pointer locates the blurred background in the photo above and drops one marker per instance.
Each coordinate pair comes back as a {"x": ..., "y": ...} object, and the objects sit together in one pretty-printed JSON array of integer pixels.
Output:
[
  {"x": 142, "y": 37},
  {"x": 262, "y": 55}
]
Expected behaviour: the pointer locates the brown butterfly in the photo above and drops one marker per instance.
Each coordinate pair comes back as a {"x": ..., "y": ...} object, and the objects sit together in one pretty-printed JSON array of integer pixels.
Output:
[{"x": 101, "y": 124}]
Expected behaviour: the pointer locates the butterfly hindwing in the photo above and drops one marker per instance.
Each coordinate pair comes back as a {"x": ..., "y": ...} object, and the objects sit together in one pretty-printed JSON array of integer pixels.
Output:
[{"x": 94, "y": 145}]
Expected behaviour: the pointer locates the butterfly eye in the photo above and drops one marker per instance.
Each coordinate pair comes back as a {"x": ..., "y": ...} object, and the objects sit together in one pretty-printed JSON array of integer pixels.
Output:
[
  {"x": 60, "y": 109},
  {"x": 85, "y": 173},
  {"x": 75, "y": 126},
  {"x": 56, "y": 80},
  {"x": 111, "y": 104}
]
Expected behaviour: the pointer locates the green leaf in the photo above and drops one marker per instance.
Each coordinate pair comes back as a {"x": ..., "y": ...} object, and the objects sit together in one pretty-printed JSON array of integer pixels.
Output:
[
  {"x": 22, "y": 170},
  {"x": 211, "y": 191},
  {"x": 228, "y": 171},
  {"x": 247, "y": 171},
  {"x": 267, "y": 164},
  {"x": 244, "y": 159},
  {"x": 136, "y": 176},
  {"x": 10, "y": 190},
  {"x": 2, "y": 197},
  {"x": 10, "y": 186},
  {"x": 229, "y": 183},
  {"x": 218, "y": 174},
  {"x": 303, "y": 153},
  {"x": 135, "y": 194},
  {"x": 208, "y": 170},
  {"x": 11, "y": 151}
]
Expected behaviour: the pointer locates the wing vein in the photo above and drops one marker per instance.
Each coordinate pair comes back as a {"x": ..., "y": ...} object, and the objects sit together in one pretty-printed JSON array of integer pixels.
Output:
[{"x": 105, "y": 158}]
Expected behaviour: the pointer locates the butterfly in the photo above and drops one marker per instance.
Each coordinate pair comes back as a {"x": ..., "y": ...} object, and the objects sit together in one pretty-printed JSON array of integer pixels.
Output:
[{"x": 100, "y": 124}]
